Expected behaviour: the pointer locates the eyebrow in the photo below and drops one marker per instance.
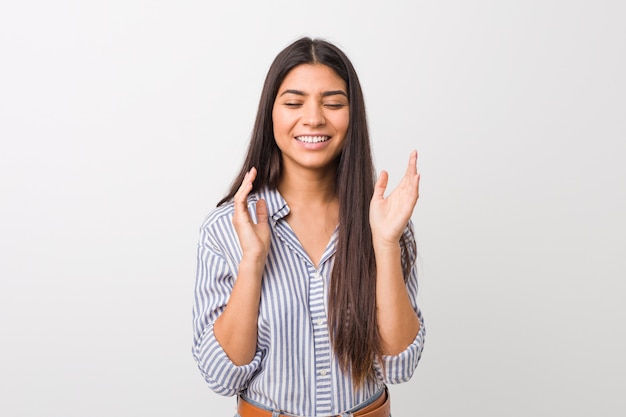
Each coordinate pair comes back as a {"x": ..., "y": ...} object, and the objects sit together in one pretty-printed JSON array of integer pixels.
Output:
[{"x": 324, "y": 94}]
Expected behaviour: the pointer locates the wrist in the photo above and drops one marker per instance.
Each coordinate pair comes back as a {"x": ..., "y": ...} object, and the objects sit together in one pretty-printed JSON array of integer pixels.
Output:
[
  {"x": 252, "y": 264},
  {"x": 385, "y": 245}
]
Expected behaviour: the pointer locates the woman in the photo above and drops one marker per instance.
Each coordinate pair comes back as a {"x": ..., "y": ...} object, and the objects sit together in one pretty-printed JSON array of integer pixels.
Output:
[{"x": 306, "y": 284}]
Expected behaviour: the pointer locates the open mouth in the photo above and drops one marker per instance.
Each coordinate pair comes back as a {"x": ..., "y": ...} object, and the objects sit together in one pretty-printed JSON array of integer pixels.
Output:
[{"x": 312, "y": 139}]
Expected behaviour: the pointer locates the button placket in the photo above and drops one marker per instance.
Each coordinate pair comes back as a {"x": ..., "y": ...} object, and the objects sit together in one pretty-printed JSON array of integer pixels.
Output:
[{"x": 321, "y": 341}]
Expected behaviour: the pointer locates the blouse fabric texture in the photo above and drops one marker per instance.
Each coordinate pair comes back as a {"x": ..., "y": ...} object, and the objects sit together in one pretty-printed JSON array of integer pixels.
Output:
[{"x": 294, "y": 369}]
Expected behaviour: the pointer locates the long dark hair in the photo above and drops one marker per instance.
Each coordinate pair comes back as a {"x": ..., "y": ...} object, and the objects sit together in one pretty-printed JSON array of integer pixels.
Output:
[{"x": 352, "y": 290}]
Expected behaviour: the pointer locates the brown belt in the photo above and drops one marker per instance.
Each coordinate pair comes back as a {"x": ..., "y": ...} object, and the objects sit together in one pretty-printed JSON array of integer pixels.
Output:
[{"x": 381, "y": 407}]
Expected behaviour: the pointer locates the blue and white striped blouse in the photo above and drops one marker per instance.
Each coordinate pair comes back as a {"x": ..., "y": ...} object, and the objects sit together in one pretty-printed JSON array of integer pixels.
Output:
[{"x": 294, "y": 369}]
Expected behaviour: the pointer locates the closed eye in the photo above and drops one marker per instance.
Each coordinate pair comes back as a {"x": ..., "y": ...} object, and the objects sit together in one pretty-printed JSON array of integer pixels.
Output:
[{"x": 334, "y": 105}]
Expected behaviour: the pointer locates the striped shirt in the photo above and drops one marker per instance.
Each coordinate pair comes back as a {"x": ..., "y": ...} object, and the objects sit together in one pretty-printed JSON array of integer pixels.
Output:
[{"x": 294, "y": 369}]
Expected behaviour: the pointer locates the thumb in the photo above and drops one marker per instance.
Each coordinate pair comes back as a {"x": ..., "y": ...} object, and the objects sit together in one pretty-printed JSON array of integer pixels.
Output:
[
  {"x": 381, "y": 185},
  {"x": 261, "y": 212}
]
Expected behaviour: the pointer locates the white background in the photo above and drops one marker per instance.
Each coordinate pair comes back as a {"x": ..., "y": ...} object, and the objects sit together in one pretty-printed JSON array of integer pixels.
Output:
[{"x": 123, "y": 122}]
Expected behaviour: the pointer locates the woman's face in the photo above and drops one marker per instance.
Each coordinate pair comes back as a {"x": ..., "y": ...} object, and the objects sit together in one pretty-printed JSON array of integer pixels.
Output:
[{"x": 311, "y": 116}]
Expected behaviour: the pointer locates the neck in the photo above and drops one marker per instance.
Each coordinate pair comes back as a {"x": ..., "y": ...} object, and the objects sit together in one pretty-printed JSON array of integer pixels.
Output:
[{"x": 308, "y": 187}]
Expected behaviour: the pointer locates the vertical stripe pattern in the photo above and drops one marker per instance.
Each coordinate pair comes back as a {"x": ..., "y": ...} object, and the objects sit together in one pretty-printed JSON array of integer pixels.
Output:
[{"x": 293, "y": 369}]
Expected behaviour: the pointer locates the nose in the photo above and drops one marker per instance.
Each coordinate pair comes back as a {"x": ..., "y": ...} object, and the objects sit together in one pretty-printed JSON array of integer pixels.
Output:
[{"x": 313, "y": 115}]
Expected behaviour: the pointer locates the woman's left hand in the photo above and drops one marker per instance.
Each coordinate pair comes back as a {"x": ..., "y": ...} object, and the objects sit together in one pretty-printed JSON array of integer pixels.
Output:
[{"x": 390, "y": 216}]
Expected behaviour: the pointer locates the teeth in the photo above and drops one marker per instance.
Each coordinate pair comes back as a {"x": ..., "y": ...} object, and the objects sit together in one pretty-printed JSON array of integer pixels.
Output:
[{"x": 312, "y": 139}]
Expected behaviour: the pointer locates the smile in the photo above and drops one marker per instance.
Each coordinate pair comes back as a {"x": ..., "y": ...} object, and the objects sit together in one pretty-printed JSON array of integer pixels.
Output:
[{"x": 312, "y": 139}]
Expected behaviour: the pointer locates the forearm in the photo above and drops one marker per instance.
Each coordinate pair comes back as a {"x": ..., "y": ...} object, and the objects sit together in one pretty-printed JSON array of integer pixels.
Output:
[
  {"x": 398, "y": 323},
  {"x": 236, "y": 328}
]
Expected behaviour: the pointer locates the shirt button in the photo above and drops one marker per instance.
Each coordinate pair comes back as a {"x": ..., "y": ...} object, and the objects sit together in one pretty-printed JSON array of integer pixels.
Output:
[
  {"x": 323, "y": 372},
  {"x": 320, "y": 322}
]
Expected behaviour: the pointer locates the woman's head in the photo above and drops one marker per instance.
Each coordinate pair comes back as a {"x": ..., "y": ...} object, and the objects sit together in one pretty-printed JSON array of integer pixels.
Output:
[{"x": 263, "y": 152}]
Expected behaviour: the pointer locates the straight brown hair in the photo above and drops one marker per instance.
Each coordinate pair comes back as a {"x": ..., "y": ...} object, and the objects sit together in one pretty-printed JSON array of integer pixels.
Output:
[{"x": 352, "y": 291}]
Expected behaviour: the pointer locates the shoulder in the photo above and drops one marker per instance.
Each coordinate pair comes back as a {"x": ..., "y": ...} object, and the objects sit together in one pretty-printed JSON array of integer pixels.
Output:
[
  {"x": 218, "y": 215},
  {"x": 217, "y": 224},
  {"x": 222, "y": 216}
]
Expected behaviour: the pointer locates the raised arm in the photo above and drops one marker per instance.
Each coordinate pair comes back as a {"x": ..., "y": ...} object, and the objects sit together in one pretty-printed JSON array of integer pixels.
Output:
[
  {"x": 236, "y": 328},
  {"x": 398, "y": 323}
]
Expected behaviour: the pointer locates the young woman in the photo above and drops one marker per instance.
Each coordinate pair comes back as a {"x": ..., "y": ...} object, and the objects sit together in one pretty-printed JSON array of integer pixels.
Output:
[{"x": 305, "y": 298}]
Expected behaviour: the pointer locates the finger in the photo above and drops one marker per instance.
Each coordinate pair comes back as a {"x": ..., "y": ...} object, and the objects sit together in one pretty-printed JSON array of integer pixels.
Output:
[
  {"x": 411, "y": 178},
  {"x": 381, "y": 185},
  {"x": 246, "y": 186},
  {"x": 417, "y": 179},
  {"x": 241, "y": 196},
  {"x": 411, "y": 169},
  {"x": 261, "y": 212}
]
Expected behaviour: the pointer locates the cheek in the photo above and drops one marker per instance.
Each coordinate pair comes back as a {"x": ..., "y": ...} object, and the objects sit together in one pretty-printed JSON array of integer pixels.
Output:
[
  {"x": 279, "y": 121},
  {"x": 343, "y": 123}
]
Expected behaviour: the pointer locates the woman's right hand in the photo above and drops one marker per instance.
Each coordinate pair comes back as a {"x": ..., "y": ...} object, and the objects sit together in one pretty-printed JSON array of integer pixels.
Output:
[
  {"x": 254, "y": 238},
  {"x": 236, "y": 328}
]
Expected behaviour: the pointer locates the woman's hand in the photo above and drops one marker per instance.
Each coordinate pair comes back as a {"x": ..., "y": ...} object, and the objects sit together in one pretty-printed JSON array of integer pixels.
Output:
[
  {"x": 397, "y": 321},
  {"x": 389, "y": 216},
  {"x": 253, "y": 238},
  {"x": 236, "y": 328}
]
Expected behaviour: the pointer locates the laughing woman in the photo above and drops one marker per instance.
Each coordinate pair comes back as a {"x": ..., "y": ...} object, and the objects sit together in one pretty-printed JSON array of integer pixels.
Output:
[{"x": 305, "y": 296}]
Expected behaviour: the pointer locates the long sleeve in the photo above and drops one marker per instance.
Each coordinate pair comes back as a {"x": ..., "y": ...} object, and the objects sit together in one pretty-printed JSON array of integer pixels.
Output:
[{"x": 218, "y": 257}]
